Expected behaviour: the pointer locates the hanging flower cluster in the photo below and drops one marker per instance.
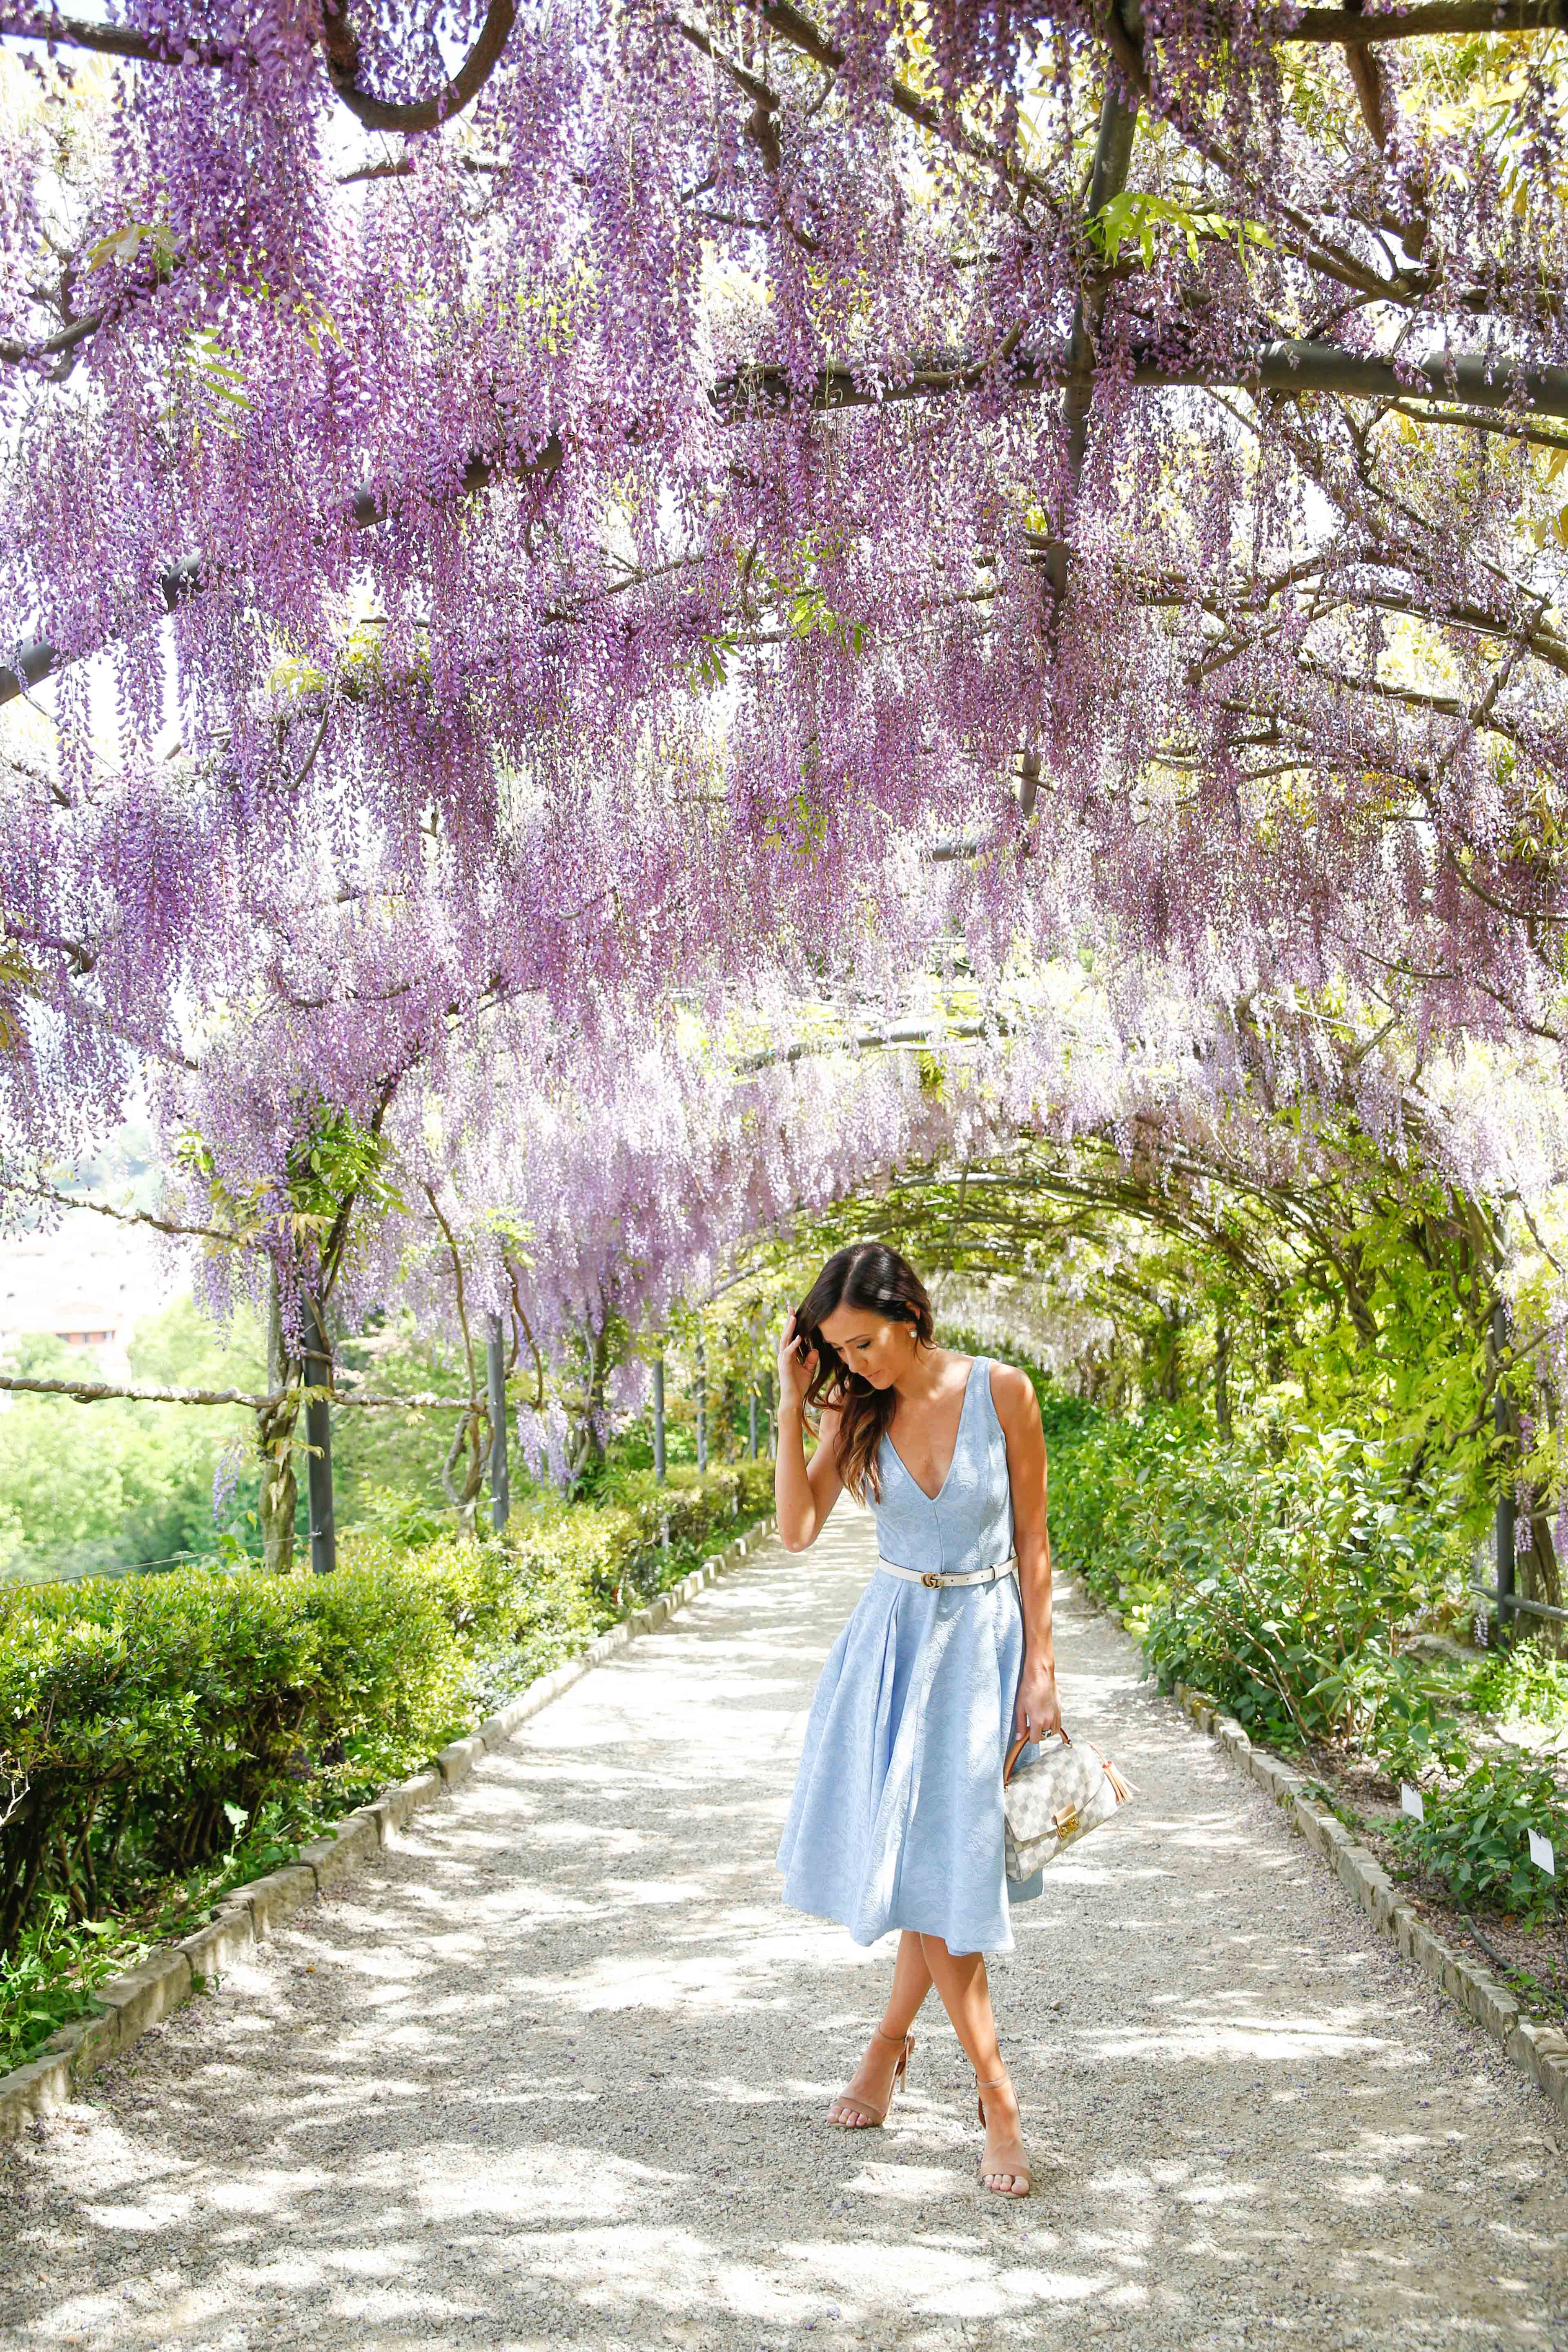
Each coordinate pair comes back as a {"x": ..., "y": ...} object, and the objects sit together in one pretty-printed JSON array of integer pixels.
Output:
[{"x": 590, "y": 510}]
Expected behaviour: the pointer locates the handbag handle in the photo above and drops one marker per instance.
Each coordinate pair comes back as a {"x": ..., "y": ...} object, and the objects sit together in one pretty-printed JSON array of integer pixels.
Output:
[{"x": 1016, "y": 1750}]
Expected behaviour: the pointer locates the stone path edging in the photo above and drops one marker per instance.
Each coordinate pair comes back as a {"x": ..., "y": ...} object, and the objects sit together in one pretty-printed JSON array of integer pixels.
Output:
[
  {"x": 137, "y": 1999},
  {"x": 1541, "y": 2051}
]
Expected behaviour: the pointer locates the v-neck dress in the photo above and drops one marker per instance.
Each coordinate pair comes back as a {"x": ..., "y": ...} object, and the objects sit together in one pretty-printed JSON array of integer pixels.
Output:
[{"x": 896, "y": 1821}]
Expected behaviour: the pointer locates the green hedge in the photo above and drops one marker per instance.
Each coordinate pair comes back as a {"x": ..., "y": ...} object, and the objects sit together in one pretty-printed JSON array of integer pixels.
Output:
[{"x": 152, "y": 1726}]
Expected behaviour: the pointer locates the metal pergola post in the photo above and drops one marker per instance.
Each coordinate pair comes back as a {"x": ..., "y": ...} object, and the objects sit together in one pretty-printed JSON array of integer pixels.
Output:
[
  {"x": 658, "y": 1454},
  {"x": 1507, "y": 1518},
  {"x": 751, "y": 1426},
  {"x": 319, "y": 1440},
  {"x": 495, "y": 1389},
  {"x": 701, "y": 1408}
]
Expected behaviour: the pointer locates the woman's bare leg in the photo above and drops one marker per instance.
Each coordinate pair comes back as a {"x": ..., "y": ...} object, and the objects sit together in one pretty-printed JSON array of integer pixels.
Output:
[
  {"x": 966, "y": 1993},
  {"x": 873, "y": 2078}
]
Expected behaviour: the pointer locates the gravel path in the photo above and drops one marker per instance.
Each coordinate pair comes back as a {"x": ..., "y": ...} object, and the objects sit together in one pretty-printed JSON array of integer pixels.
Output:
[{"x": 554, "y": 2074}]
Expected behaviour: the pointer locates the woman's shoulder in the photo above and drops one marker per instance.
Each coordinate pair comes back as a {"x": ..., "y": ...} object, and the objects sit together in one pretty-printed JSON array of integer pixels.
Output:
[{"x": 1012, "y": 1393}]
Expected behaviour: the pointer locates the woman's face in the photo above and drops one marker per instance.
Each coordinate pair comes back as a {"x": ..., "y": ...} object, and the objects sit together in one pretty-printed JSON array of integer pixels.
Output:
[{"x": 881, "y": 1351}]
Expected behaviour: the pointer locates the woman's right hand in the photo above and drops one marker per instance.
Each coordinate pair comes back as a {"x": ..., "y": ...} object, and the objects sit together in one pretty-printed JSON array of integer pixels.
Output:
[{"x": 798, "y": 1366}]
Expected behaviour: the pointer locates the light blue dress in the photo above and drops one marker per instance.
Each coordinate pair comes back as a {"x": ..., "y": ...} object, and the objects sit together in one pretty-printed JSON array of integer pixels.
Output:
[{"x": 896, "y": 1821}]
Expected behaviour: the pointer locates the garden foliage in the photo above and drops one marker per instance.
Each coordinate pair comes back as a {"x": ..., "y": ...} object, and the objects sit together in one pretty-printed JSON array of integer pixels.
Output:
[
  {"x": 126, "y": 1483},
  {"x": 1282, "y": 1589},
  {"x": 1523, "y": 1683},
  {"x": 1287, "y": 1590},
  {"x": 1474, "y": 1836}
]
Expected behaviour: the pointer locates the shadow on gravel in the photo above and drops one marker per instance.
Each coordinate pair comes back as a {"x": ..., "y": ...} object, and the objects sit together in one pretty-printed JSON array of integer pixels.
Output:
[{"x": 555, "y": 2076}]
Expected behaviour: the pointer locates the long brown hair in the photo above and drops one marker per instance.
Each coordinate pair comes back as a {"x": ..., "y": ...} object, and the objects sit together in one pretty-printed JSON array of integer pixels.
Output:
[{"x": 870, "y": 1276}]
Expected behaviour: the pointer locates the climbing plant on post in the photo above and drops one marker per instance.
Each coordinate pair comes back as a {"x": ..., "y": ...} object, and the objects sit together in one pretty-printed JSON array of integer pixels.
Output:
[
  {"x": 495, "y": 1390},
  {"x": 475, "y": 1431},
  {"x": 279, "y": 1491},
  {"x": 286, "y": 1208},
  {"x": 318, "y": 1374}
]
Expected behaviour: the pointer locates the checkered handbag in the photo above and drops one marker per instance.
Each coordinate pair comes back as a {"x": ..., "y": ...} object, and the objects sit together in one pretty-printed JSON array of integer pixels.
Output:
[{"x": 1052, "y": 1802}]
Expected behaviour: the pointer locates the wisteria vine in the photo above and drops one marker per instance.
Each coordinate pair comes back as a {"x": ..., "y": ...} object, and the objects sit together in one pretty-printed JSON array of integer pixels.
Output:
[{"x": 593, "y": 516}]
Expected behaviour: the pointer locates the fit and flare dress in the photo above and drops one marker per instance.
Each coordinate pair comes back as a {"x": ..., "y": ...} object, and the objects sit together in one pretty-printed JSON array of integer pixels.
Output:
[{"x": 896, "y": 1821}]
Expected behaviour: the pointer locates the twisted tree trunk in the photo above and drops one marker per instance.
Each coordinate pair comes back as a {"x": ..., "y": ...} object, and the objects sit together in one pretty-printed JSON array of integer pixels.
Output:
[
  {"x": 275, "y": 1439},
  {"x": 473, "y": 1430}
]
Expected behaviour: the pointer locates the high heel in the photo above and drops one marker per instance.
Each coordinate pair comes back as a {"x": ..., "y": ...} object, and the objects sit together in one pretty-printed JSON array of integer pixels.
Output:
[
  {"x": 1019, "y": 2171},
  {"x": 904, "y": 2044}
]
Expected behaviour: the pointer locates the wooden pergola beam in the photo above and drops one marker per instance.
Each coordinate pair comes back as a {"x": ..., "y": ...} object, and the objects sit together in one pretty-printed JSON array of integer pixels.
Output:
[
  {"x": 1285, "y": 369},
  {"x": 85, "y": 1391},
  {"x": 1356, "y": 29}
]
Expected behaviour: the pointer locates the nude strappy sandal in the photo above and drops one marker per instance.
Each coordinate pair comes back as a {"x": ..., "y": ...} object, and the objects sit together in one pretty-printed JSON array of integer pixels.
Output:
[
  {"x": 905, "y": 2047},
  {"x": 1018, "y": 2171}
]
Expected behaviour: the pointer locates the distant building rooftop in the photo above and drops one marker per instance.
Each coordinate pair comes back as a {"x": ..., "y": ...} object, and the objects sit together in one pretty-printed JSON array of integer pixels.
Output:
[{"x": 89, "y": 1282}]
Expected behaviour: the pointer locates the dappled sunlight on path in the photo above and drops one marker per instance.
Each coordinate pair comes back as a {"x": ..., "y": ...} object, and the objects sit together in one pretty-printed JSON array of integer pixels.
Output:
[{"x": 553, "y": 2074}]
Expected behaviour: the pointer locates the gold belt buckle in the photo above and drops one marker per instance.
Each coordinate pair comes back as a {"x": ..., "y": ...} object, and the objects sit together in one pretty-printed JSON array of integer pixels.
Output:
[{"x": 928, "y": 1579}]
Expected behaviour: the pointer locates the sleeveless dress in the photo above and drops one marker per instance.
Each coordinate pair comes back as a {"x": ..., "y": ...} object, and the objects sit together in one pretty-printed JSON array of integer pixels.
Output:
[{"x": 896, "y": 1821}]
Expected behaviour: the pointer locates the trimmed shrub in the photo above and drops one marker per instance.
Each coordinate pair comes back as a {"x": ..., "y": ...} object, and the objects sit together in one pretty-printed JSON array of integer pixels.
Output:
[{"x": 146, "y": 1723}]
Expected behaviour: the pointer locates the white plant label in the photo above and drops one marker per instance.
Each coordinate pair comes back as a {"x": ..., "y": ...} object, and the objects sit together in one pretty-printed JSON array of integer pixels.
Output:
[
  {"x": 1410, "y": 1801},
  {"x": 1541, "y": 1856}
]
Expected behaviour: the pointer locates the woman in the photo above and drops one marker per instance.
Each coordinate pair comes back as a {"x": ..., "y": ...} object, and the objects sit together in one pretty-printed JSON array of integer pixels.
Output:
[{"x": 897, "y": 1816}]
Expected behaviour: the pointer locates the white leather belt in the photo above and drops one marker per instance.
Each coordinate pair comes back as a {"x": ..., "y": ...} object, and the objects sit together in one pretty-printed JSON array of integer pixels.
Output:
[{"x": 1008, "y": 1567}]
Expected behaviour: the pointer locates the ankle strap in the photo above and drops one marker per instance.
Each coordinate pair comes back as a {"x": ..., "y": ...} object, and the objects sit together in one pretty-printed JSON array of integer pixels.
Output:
[{"x": 897, "y": 2039}]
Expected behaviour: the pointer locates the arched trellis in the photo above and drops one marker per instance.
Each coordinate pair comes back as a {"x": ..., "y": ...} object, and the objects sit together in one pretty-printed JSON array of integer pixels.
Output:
[
  {"x": 1194, "y": 1153},
  {"x": 1008, "y": 1217}
]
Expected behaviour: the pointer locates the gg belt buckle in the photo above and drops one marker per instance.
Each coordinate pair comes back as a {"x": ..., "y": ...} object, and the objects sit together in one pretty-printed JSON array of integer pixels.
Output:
[{"x": 928, "y": 1579}]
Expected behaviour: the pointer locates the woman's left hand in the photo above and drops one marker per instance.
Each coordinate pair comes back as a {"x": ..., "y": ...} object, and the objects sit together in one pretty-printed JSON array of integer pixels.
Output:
[{"x": 1040, "y": 1710}]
